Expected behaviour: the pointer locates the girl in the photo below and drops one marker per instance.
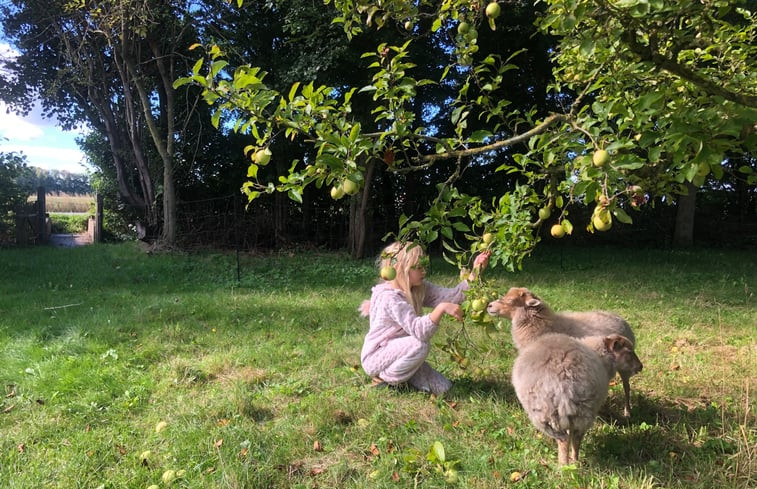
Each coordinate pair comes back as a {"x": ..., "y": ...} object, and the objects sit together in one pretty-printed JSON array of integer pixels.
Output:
[{"x": 399, "y": 339}]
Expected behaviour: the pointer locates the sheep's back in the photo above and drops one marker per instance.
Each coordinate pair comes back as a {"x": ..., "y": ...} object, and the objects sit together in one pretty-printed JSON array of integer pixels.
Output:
[
  {"x": 561, "y": 384},
  {"x": 592, "y": 323}
]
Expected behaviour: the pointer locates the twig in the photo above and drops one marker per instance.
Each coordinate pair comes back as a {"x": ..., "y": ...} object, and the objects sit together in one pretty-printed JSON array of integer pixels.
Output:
[{"x": 61, "y": 307}]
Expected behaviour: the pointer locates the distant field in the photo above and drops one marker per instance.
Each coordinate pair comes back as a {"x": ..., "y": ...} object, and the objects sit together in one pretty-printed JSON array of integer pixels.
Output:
[{"x": 56, "y": 203}]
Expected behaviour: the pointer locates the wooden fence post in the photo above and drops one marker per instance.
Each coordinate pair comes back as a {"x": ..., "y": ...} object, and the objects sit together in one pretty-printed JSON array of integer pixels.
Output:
[
  {"x": 42, "y": 233},
  {"x": 97, "y": 238}
]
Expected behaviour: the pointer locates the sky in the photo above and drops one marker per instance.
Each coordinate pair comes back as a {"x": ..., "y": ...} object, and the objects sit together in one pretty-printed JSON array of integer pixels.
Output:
[{"x": 44, "y": 144}]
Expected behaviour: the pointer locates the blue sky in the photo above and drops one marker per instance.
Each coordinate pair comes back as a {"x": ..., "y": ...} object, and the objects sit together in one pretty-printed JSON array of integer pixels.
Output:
[{"x": 44, "y": 144}]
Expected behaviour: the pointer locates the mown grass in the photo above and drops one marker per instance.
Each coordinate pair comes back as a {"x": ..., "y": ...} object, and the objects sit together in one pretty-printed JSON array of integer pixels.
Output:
[{"x": 258, "y": 380}]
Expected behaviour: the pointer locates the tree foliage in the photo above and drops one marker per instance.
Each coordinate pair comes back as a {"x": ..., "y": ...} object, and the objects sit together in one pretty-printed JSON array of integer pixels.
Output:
[
  {"x": 12, "y": 192},
  {"x": 667, "y": 89}
]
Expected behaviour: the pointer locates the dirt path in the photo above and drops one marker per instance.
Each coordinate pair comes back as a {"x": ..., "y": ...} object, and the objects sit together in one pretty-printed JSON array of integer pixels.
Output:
[{"x": 69, "y": 240}]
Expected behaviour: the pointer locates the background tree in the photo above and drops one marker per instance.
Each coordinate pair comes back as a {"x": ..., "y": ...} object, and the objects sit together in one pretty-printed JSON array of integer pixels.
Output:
[
  {"x": 12, "y": 191},
  {"x": 110, "y": 66}
]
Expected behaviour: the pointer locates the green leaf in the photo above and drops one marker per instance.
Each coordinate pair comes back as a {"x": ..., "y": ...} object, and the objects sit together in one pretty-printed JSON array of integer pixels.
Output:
[
  {"x": 480, "y": 135},
  {"x": 621, "y": 215},
  {"x": 460, "y": 226},
  {"x": 436, "y": 453},
  {"x": 216, "y": 118},
  {"x": 295, "y": 194},
  {"x": 587, "y": 47},
  {"x": 217, "y": 66},
  {"x": 567, "y": 226},
  {"x": 197, "y": 66},
  {"x": 293, "y": 91}
]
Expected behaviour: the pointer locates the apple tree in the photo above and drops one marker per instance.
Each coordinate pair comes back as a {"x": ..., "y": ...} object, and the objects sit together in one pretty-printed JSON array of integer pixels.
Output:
[{"x": 654, "y": 94}]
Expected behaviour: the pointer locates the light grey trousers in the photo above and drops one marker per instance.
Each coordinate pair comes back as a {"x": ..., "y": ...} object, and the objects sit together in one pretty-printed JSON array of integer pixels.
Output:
[{"x": 404, "y": 360}]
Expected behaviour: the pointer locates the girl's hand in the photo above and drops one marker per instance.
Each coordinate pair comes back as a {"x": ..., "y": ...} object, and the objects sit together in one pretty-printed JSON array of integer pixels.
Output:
[
  {"x": 443, "y": 308},
  {"x": 482, "y": 260},
  {"x": 479, "y": 264}
]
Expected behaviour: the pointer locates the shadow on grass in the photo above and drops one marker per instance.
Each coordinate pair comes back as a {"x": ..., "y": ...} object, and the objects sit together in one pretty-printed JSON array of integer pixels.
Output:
[
  {"x": 498, "y": 390},
  {"x": 660, "y": 434}
]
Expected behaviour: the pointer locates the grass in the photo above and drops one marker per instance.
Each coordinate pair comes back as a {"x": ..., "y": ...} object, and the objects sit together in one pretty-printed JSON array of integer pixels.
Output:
[
  {"x": 69, "y": 223},
  {"x": 259, "y": 385}
]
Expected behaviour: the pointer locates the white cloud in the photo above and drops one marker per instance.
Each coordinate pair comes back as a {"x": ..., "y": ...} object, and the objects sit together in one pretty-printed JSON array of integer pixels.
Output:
[
  {"x": 50, "y": 158},
  {"x": 15, "y": 128},
  {"x": 44, "y": 145}
]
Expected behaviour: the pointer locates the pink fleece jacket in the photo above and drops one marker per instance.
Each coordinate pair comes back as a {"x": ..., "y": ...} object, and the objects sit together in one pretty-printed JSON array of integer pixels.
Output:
[{"x": 392, "y": 316}]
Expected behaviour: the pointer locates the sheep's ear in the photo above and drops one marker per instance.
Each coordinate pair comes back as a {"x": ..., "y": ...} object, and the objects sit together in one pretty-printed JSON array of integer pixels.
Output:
[
  {"x": 533, "y": 302},
  {"x": 616, "y": 342}
]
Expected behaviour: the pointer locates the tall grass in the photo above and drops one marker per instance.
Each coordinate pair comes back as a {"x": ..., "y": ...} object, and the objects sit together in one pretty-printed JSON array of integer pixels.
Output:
[
  {"x": 119, "y": 366},
  {"x": 63, "y": 202}
]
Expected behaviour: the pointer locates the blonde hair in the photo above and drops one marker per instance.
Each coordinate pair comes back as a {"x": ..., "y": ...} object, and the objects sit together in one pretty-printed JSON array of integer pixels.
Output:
[{"x": 403, "y": 257}]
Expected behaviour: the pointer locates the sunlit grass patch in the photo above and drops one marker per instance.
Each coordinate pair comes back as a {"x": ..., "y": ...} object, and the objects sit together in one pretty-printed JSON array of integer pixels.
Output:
[{"x": 257, "y": 383}]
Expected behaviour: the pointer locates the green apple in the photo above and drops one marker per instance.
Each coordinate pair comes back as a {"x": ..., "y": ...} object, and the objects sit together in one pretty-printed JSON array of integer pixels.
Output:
[
  {"x": 602, "y": 219},
  {"x": 337, "y": 192},
  {"x": 600, "y": 158},
  {"x": 544, "y": 213},
  {"x": 557, "y": 231},
  {"x": 493, "y": 10},
  {"x": 388, "y": 272},
  {"x": 350, "y": 187},
  {"x": 262, "y": 156},
  {"x": 168, "y": 476}
]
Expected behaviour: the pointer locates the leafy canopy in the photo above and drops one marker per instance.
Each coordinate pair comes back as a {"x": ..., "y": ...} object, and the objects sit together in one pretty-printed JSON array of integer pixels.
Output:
[{"x": 655, "y": 94}]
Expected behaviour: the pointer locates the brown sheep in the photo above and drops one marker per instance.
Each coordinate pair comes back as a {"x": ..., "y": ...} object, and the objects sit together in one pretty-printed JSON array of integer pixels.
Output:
[
  {"x": 531, "y": 318},
  {"x": 562, "y": 381}
]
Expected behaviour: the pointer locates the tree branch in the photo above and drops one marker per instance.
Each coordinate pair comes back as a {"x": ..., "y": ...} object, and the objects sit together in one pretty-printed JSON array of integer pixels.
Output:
[
  {"x": 648, "y": 53},
  {"x": 550, "y": 121}
]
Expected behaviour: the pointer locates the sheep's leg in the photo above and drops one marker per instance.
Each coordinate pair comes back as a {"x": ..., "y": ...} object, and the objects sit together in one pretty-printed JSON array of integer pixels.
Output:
[
  {"x": 627, "y": 392},
  {"x": 575, "y": 445},
  {"x": 562, "y": 451}
]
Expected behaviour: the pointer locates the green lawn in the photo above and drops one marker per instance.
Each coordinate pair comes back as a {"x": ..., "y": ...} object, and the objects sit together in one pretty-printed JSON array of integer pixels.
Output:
[{"x": 118, "y": 366}]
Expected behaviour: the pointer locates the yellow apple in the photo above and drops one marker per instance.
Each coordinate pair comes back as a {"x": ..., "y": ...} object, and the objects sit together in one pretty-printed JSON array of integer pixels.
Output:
[
  {"x": 557, "y": 231},
  {"x": 600, "y": 158},
  {"x": 493, "y": 10}
]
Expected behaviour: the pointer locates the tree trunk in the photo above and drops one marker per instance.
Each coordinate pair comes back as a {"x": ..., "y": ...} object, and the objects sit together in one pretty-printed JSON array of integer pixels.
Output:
[
  {"x": 280, "y": 218},
  {"x": 358, "y": 229},
  {"x": 683, "y": 235}
]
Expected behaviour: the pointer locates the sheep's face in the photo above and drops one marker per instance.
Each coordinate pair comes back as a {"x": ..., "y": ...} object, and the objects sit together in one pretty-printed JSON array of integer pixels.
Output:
[
  {"x": 516, "y": 298},
  {"x": 624, "y": 357}
]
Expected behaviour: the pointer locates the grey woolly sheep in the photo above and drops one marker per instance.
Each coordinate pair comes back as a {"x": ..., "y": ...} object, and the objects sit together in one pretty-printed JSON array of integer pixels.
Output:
[
  {"x": 531, "y": 318},
  {"x": 562, "y": 381}
]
